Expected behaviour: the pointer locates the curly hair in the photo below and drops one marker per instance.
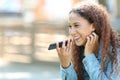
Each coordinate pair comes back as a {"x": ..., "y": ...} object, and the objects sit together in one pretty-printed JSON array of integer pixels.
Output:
[{"x": 96, "y": 14}]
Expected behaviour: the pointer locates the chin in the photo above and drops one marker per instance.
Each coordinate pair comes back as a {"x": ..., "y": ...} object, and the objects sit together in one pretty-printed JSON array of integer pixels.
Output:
[{"x": 78, "y": 44}]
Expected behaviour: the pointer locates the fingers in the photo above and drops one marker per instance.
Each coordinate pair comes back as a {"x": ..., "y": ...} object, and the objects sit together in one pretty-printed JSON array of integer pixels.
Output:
[
  {"x": 63, "y": 53},
  {"x": 88, "y": 40},
  {"x": 57, "y": 47},
  {"x": 65, "y": 46},
  {"x": 92, "y": 38},
  {"x": 69, "y": 45},
  {"x": 91, "y": 44},
  {"x": 95, "y": 35}
]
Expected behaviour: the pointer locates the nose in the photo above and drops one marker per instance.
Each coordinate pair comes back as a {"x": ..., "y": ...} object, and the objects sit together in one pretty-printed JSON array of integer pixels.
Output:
[{"x": 72, "y": 31}]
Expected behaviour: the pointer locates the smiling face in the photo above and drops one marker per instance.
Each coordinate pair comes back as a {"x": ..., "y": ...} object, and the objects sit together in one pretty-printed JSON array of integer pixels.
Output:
[{"x": 79, "y": 28}]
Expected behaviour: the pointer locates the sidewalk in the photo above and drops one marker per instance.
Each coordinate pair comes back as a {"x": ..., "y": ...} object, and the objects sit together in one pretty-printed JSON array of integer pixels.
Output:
[{"x": 36, "y": 71}]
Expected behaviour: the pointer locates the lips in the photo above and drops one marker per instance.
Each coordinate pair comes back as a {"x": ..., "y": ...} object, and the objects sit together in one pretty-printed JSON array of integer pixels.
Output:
[{"x": 76, "y": 38}]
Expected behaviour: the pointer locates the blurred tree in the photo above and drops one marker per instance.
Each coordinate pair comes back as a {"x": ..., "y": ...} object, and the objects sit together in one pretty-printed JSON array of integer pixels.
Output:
[
  {"x": 118, "y": 8},
  {"x": 39, "y": 10},
  {"x": 75, "y": 1},
  {"x": 103, "y": 2}
]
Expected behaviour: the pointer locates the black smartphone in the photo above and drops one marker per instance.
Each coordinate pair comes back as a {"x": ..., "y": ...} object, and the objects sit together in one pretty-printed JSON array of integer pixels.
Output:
[{"x": 53, "y": 45}]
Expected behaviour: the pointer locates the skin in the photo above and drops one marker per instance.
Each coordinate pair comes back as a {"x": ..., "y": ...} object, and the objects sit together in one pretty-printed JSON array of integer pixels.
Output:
[{"x": 83, "y": 34}]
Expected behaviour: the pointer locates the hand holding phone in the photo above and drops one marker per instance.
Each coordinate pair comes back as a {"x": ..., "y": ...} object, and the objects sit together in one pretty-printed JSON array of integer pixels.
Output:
[{"x": 63, "y": 49}]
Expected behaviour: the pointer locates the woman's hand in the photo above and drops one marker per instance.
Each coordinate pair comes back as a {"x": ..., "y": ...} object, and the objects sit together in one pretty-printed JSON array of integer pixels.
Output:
[
  {"x": 92, "y": 44},
  {"x": 64, "y": 53}
]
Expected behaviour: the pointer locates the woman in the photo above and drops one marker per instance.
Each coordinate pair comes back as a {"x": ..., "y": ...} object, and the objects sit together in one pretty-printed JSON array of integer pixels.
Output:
[{"x": 94, "y": 52}]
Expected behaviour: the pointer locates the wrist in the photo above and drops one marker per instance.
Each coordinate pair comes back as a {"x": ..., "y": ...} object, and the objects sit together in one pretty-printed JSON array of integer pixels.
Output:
[
  {"x": 86, "y": 54},
  {"x": 66, "y": 65}
]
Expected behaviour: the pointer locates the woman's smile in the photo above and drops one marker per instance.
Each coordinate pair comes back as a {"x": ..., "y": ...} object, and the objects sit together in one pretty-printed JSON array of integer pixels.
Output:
[{"x": 77, "y": 39}]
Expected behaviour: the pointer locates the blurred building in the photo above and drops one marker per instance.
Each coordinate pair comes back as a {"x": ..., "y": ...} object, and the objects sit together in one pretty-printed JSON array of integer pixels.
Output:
[
  {"x": 58, "y": 9},
  {"x": 49, "y": 9},
  {"x": 27, "y": 24}
]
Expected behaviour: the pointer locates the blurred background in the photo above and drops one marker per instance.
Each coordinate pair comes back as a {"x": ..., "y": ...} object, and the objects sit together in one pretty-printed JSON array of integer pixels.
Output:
[{"x": 27, "y": 27}]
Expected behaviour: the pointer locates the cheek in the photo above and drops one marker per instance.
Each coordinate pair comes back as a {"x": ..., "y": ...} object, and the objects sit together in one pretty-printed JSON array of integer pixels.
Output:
[
  {"x": 87, "y": 32},
  {"x": 84, "y": 35}
]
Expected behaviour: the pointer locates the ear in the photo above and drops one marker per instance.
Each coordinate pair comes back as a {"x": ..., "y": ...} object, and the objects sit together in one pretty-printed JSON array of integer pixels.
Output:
[{"x": 92, "y": 27}]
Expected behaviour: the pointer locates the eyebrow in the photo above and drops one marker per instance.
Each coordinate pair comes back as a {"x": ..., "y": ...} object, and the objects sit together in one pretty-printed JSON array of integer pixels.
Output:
[{"x": 76, "y": 23}]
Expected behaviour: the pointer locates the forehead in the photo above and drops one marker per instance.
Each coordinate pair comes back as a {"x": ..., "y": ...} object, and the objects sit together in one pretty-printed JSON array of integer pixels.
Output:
[
  {"x": 73, "y": 14},
  {"x": 75, "y": 17}
]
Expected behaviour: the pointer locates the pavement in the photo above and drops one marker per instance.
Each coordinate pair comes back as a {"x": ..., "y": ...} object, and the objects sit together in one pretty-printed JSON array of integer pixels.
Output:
[{"x": 34, "y": 71}]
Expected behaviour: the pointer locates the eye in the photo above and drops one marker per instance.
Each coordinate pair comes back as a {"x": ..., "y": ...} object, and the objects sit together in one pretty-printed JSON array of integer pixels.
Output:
[
  {"x": 76, "y": 25},
  {"x": 69, "y": 26}
]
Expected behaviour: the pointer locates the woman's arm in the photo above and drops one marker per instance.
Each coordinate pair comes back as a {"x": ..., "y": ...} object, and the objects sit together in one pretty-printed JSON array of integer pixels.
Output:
[
  {"x": 64, "y": 53},
  {"x": 68, "y": 73},
  {"x": 94, "y": 69}
]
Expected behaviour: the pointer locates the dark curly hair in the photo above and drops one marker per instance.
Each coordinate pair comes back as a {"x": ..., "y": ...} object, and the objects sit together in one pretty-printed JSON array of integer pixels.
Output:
[{"x": 96, "y": 14}]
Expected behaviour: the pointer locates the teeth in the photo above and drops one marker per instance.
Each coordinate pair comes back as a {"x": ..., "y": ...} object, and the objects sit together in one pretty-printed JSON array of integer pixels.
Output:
[{"x": 76, "y": 37}]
